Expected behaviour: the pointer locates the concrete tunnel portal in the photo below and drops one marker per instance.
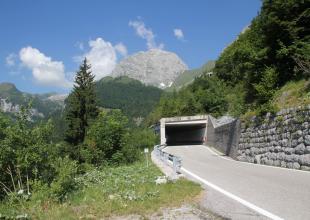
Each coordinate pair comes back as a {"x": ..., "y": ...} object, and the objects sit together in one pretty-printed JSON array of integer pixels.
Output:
[
  {"x": 190, "y": 130},
  {"x": 185, "y": 134}
]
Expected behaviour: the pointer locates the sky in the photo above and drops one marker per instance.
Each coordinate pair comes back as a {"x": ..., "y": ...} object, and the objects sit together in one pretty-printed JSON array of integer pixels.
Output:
[{"x": 43, "y": 42}]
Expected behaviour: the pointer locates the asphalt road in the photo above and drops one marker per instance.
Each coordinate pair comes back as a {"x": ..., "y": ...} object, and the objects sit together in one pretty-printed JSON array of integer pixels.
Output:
[{"x": 283, "y": 193}]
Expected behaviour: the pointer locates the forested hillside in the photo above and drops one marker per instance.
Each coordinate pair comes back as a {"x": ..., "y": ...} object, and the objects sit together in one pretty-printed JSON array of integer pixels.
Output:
[
  {"x": 131, "y": 96},
  {"x": 274, "y": 50},
  {"x": 249, "y": 74}
]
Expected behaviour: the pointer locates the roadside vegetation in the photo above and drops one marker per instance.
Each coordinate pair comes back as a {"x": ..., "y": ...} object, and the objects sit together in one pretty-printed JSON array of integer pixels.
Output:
[
  {"x": 97, "y": 169},
  {"x": 104, "y": 192}
]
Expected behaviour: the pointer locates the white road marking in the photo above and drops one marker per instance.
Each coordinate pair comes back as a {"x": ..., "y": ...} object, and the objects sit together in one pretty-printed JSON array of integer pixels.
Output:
[{"x": 234, "y": 197}]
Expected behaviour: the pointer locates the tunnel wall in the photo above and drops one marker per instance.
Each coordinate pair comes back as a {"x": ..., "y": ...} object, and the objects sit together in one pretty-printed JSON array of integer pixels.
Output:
[{"x": 224, "y": 137}]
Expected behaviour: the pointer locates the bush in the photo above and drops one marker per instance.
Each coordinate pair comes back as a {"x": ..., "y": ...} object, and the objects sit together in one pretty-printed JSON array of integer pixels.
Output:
[
  {"x": 143, "y": 138},
  {"x": 268, "y": 107},
  {"x": 26, "y": 152},
  {"x": 64, "y": 181},
  {"x": 107, "y": 140}
]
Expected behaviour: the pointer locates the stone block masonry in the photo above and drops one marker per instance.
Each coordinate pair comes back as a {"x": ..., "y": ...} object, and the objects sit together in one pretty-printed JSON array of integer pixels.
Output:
[{"x": 281, "y": 140}]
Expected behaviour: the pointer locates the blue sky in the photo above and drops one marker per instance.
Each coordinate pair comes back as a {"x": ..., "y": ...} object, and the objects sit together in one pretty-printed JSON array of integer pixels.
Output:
[{"x": 42, "y": 42}]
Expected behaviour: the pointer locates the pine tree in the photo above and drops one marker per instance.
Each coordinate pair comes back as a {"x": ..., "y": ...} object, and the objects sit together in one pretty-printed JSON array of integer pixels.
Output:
[{"x": 81, "y": 106}]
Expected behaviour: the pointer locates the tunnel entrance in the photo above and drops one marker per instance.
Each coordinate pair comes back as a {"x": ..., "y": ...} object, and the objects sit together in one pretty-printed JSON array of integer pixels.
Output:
[{"x": 184, "y": 134}]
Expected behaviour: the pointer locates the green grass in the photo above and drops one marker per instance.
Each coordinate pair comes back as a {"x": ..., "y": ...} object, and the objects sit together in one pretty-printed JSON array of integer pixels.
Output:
[
  {"x": 293, "y": 94},
  {"x": 111, "y": 191}
]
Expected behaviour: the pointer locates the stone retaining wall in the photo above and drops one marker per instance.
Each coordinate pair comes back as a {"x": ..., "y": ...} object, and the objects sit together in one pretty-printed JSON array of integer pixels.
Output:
[{"x": 282, "y": 140}]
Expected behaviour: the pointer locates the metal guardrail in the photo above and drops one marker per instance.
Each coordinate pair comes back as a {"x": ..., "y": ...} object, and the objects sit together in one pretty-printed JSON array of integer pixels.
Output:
[{"x": 168, "y": 158}]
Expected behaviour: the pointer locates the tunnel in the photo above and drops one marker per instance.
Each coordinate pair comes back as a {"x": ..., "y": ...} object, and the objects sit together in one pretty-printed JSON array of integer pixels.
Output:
[{"x": 185, "y": 134}]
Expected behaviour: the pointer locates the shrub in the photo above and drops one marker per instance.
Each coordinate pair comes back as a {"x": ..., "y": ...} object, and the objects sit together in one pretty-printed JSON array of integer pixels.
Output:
[
  {"x": 106, "y": 137},
  {"x": 64, "y": 181},
  {"x": 143, "y": 138}
]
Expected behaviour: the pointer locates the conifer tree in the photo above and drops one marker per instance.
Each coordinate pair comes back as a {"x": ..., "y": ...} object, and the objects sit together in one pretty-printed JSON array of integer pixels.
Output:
[{"x": 81, "y": 106}]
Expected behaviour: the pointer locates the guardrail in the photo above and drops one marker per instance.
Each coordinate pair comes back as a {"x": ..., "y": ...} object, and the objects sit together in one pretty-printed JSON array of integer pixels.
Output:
[{"x": 168, "y": 158}]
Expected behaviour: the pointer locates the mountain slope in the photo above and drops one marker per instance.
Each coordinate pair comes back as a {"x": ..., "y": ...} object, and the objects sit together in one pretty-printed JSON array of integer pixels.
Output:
[
  {"x": 188, "y": 76},
  {"x": 131, "y": 96},
  {"x": 154, "y": 67},
  {"x": 11, "y": 99}
]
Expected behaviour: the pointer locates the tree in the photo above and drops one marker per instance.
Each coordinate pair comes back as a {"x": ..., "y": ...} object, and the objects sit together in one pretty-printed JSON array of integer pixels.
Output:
[
  {"x": 106, "y": 137},
  {"x": 273, "y": 50},
  {"x": 81, "y": 107}
]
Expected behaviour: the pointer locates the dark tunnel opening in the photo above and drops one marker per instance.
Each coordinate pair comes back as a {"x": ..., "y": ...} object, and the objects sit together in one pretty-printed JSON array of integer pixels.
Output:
[{"x": 189, "y": 134}]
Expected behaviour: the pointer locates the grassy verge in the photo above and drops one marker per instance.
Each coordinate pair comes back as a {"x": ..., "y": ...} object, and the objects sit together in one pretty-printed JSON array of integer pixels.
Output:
[
  {"x": 293, "y": 94},
  {"x": 110, "y": 191}
]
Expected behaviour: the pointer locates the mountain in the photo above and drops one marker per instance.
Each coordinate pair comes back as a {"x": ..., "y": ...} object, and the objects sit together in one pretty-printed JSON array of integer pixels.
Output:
[
  {"x": 134, "y": 98},
  {"x": 11, "y": 99},
  {"x": 154, "y": 67},
  {"x": 188, "y": 76}
]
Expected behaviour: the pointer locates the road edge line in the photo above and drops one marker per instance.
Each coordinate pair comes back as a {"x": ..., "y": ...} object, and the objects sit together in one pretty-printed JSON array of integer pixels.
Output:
[{"x": 232, "y": 196}]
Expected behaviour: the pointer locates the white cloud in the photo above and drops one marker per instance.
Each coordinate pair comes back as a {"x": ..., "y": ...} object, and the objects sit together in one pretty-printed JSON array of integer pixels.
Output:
[
  {"x": 101, "y": 56},
  {"x": 178, "y": 33},
  {"x": 44, "y": 70},
  {"x": 121, "y": 49},
  {"x": 10, "y": 59},
  {"x": 145, "y": 33}
]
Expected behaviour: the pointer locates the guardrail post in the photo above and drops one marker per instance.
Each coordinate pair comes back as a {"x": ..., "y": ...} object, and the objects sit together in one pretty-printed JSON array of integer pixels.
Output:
[
  {"x": 174, "y": 164},
  {"x": 166, "y": 156}
]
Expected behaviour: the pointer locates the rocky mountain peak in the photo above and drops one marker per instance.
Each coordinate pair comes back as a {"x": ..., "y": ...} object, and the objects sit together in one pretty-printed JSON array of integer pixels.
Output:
[{"x": 153, "y": 67}]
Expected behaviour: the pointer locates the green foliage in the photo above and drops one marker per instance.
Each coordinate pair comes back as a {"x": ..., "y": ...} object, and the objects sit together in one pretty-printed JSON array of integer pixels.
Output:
[
  {"x": 273, "y": 50},
  {"x": 205, "y": 95},
  {"x": 143, "y": 138},
  {"x": 267, "y": 86},
  {"x": 211, "y": 94},
  {"x": 26, "y": 153},
  {"x": 131, "y": 96},
  {"x": 81, "y": 107},
  {"x": 64, "y": 182},
  {"x": 122, "y": 190},
  {"x": 265, "y": 108},
  {"x": 293, "y": 93},
  {"x": 108, "y": 140},
  {"x": 4, "y": 123},
  {"x": 236, "y": 100}
]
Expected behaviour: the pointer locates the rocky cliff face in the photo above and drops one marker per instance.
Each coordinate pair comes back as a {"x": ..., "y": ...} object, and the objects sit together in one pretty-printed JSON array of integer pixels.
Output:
[
  {"x": 154, "y": 67},
  {"x": 9, "y": 107}
]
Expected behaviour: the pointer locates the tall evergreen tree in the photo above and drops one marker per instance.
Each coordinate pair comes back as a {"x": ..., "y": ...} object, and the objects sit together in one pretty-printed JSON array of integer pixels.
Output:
[{"x": 81, "y": 106}]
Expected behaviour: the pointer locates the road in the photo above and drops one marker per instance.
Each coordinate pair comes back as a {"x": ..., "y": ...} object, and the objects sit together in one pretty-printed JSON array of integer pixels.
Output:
[{"x": 282, "y": 193}]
